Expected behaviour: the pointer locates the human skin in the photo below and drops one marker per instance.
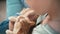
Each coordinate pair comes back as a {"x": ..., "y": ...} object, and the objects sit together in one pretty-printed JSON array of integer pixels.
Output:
[{"x": 53, "y": 9}]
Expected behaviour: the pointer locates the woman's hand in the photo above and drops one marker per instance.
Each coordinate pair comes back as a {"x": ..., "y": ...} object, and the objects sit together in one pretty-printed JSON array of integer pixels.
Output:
[{"x": 22, "y": 24}]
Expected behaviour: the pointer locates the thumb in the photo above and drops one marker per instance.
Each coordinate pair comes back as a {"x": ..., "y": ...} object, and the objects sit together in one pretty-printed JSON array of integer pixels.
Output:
[{"x": 11, "y": 22}]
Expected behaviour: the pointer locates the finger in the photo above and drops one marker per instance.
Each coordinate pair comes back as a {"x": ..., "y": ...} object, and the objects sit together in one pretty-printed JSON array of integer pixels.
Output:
[
  {"x": 24, "y": 11},
  {"x": 29, "y": 21},
  {"x": 29, "y": 12},
  {"x": 9, "y": 32},
  {"x": 12, "y": 18},
  {"x": 11, "y": 23}
]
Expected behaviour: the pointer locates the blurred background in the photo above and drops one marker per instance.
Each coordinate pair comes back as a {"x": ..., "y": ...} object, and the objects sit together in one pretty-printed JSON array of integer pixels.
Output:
[{"x": 2, "y": 10}]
